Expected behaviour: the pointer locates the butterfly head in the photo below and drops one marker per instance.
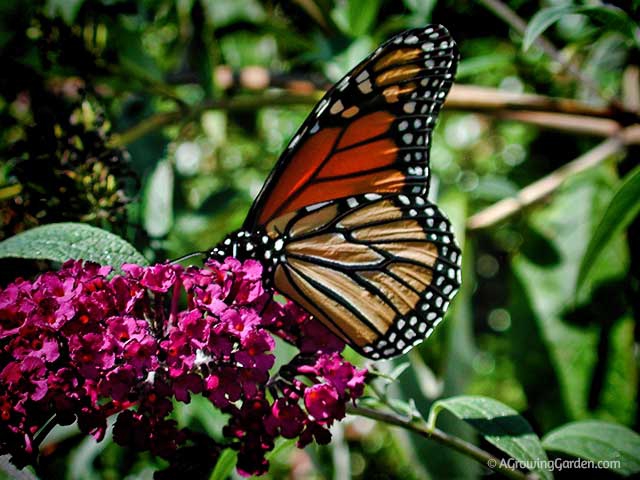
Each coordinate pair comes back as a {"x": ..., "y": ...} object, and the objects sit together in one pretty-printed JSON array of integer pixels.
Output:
[{"x": 245, "y": 245}]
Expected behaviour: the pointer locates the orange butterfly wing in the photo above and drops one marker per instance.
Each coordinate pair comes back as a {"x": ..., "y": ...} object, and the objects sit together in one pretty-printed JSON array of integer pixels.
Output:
[{"x": 370, "y": 133}]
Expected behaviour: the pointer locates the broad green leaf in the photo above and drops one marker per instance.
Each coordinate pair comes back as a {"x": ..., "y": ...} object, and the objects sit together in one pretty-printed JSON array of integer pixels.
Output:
[
  {"x": 499, "y": 424},
  {"x": 622, "y": 210},
  {"x": 574, "y": 363},
  {"x": 613, "y": 17},
  {"x": 362, "y": 15},
  {"x": 63, "y": 241},
  {"x": 598, "y": 441},
  {"x": 225, "y": 465},
  {"x": 82, "y": 459},
  {"x": 356, "y": 17}
]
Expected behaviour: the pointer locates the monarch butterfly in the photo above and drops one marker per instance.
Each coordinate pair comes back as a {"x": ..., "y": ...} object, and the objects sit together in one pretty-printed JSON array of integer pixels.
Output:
[{"x": 342, "y": 225}]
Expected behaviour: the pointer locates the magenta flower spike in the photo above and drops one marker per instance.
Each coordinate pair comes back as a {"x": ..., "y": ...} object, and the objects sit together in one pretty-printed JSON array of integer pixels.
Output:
[{"x": 76, "y": 345}]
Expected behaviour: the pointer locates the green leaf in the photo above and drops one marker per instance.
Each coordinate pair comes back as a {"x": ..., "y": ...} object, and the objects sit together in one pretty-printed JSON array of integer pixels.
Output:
[
  {"x": 63, "y": 241},
  {"x": 577, "y": 361},
  {"x": 82, "y": 459},
  {"x": 67, "y": 9},
  {"x": 422, "y": 8},
  {"x": 399, "y": 370},
  {"x": 543, "y": 20},
  {"x": 598, "y": 441},
  {"x": 158, "y": 200},
  {"x": 499, "y": 424},
  {"x": 622, "y": 209},
  {"x": 356, "y": 17},
  {"x": 612, "y": 17},
  {"x": 225, "y": 465}
]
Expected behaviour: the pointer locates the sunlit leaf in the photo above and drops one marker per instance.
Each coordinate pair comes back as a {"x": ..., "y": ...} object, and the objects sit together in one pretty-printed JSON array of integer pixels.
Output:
[
  {"x": 362, "y": 14},
  {"x": 82, "y": 458},
  {"x": 499, "y": 424},
  {"x": 63, "y": 241},
  {"x": 225, "y": 465},
  {"x": 598, "y": 441},
  {"x": 622, "y": 210}
]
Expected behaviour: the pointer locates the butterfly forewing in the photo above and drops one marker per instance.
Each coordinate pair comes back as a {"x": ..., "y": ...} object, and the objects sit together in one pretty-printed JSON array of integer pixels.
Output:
[
  {"x": 378, "y": 270},
  {"x": 370, "y": 132}
]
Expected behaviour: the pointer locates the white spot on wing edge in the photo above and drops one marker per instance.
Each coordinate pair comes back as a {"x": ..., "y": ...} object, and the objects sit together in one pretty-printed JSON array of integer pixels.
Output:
[
  {"x": 372, "y": 196},
  {"x": 316, "y": 206},
  {"x": 322, "y": 106},
  {"x": 409, "y": 107},
  {"x": 362, "y": 77},
  {"x": 343, "y": 84}
]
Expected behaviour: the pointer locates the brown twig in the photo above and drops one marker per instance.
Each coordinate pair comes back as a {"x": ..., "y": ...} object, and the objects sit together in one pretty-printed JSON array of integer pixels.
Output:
[
  {"x": 631, "y": 88},
  {"x": 556, "y": 113},
  {"x": 597, "y": 127},
  {"x": 472, "y": 97},
  {"x": 541, "y": 189},
  {"x": 243, "y": 103}
]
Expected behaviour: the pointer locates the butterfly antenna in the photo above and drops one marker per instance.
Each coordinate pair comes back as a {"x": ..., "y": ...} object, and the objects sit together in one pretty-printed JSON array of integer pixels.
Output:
[{"x": 187, "y": 256}]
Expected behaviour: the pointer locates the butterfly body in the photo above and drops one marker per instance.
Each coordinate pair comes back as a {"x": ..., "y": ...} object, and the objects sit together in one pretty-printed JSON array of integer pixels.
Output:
[{"x": 343, "y": 225}]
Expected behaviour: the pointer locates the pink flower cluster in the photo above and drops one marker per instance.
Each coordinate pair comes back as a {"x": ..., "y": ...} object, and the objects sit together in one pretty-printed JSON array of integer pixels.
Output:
[{"x": 76, "y": 345}]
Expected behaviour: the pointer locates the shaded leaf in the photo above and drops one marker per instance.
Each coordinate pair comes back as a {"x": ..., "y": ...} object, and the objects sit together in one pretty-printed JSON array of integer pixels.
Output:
[
  {"x": 63, "y": 241},
  {"x": 614, "y": 18},
  {"x": 499, "y": 424},
  {"x": 598, "y": 441},
  {"x": 543, "y": 20},
  {"x": 225, "y": 465},
  {"x": 67, "y": 9},
  {"x": 584, "y": 364},
  {"x": 622, "y": 210}
]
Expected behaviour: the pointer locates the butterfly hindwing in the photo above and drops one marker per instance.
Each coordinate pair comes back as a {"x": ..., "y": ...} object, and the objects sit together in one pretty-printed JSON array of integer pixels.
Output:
[
  {"x": 370, "y": 132},
  {"x": 378, "y": 270}
]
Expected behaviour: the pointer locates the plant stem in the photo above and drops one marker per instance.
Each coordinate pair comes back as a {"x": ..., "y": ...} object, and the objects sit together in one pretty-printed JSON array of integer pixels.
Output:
[
  {"x": 556, "y": 113},
  {"x": 472, "y": 97},
  {"x": 420, "y": 427},
  {"x": 45, "y": 430},
  {"x": 244, "y": 103}
]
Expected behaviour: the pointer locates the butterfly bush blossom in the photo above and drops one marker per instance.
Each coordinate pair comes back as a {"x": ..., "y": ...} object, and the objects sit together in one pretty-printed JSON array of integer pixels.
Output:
[{"x": 77, "y": 345}]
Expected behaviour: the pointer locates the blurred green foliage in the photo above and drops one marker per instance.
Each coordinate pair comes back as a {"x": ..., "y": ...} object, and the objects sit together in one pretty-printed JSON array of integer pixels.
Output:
[{"x": 83, "y": 76}]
